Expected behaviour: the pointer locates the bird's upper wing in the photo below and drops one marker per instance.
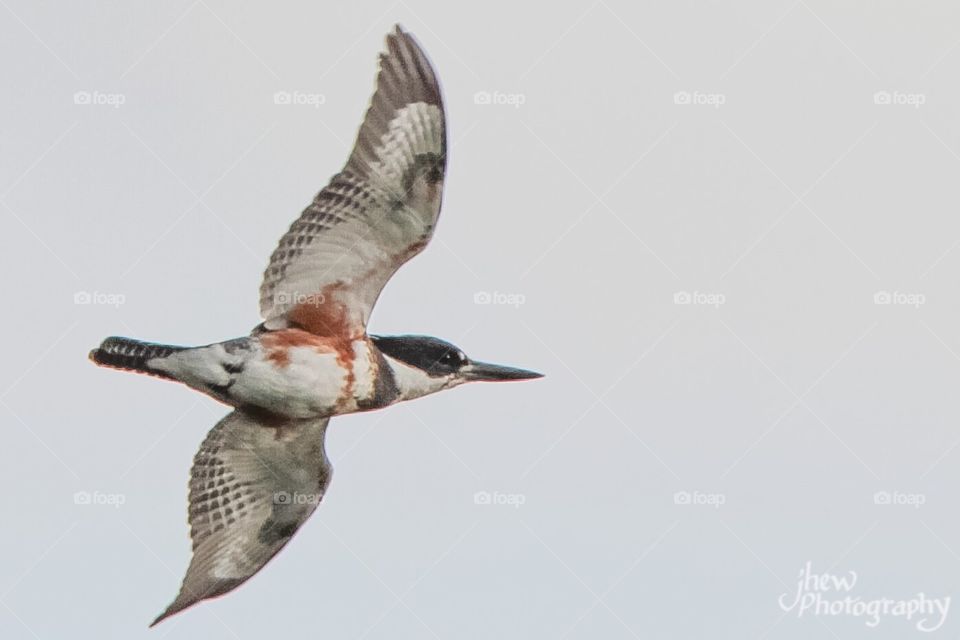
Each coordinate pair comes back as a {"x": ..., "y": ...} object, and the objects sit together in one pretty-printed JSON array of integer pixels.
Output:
[
  {"x": 254, "y": 481},
  {"x": 376, "y": 214}
]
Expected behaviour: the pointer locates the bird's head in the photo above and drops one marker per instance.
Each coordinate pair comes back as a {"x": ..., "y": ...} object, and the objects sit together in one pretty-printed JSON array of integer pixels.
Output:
[{"x": 424, "y": 365}]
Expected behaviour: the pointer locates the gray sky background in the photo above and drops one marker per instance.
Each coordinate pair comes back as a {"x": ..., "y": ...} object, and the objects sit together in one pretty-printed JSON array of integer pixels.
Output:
[{"x": 679, "y": 465}]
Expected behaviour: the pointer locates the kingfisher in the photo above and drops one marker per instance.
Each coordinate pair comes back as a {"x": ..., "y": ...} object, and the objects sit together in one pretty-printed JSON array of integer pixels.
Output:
[{"x": 262, "y": 470}]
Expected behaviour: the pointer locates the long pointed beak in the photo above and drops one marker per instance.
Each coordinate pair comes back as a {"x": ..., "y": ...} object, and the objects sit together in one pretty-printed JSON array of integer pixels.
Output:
[{"x": 486, "y": 372}]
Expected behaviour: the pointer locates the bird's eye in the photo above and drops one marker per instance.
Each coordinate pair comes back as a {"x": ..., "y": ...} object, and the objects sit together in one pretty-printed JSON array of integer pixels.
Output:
[{"x": 453, "y": 358}]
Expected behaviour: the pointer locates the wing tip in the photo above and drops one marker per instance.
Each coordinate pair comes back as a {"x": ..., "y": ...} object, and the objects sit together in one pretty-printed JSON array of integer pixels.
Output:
[
  {"x": 407, "y": 44},
  {"x": 397, "y": 34},
  {"x": 175, "y": 607},
  {"x": 189, "y": 597},
  {"x": 405, "y": 75},
  {"x": 181, "y": 602}
]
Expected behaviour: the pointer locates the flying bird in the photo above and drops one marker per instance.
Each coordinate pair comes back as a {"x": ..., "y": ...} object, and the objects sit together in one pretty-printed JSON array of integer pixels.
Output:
[{"x": 262, "y": 470}]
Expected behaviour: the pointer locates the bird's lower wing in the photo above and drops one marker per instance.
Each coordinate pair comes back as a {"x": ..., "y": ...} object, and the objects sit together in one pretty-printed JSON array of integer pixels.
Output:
[{"x": 254, "y": 481}]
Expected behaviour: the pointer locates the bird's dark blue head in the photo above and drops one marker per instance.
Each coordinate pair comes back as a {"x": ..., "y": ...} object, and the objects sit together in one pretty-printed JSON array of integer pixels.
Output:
[{"x": 440, "y": 359}]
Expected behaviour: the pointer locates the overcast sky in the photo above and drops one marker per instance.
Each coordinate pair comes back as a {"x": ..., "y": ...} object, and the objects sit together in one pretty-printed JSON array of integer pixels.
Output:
[{"x": 726, "y": 232}]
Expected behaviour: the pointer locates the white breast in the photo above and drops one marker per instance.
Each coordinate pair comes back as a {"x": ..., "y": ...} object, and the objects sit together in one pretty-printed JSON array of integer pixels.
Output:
[
  {"x": 364, "y": 371},
  {"x": 308, "y": 384}
]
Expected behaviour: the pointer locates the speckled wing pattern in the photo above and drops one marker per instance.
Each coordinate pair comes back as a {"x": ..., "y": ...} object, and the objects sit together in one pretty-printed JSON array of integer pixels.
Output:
[
  {"x": 254, "y": 481},
  {"x": 377, "y": 213}
]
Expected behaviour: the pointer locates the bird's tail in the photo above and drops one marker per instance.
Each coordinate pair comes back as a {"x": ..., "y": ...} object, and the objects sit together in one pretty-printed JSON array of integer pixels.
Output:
[{"x": 132, "y": 355}]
